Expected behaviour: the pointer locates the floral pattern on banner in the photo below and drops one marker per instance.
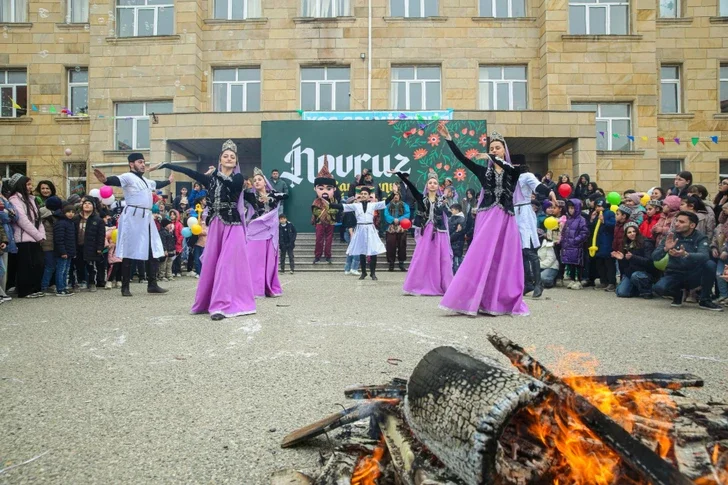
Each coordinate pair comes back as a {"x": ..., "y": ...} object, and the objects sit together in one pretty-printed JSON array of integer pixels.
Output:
[{"x": 429, "y": 151}]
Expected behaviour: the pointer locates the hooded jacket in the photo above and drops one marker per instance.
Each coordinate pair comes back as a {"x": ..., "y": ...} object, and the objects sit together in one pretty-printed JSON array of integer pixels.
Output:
[
  {"x": 94, "y": 237},
  {"x": 573, "y": 236},
  {"x": 47, "y": 219},
  {"x": 64, "y": 236},
  {"x": 648, "y": 224},
  {"x": 24, "y": 229},
  {"x": 697, "y": 247},
  {"x": 580, "y": 191},
  {"x": 605, "y": 236}
]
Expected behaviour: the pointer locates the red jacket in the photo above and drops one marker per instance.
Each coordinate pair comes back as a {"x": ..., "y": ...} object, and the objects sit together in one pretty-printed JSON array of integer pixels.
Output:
[
  {"x": 648, "y": 224},
  {"x": 178, "y": 236}
]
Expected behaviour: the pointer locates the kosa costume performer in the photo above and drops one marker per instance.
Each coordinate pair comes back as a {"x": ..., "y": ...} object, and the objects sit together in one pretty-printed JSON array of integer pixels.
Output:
[
  {"x": 262, "y": 234},
  {"x": 138, "y": 237},
  {"x": 324, "y": 211},
  {"x": 490, "y": 279},
  {"x": 430, "y": 271},
  {"x": 225, "y": 288},
  {"x": 365, "y": 241}
]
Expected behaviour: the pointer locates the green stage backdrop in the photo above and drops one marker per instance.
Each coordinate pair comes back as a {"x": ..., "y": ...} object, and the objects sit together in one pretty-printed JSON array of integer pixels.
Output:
[{"x": 297, "y": 149}]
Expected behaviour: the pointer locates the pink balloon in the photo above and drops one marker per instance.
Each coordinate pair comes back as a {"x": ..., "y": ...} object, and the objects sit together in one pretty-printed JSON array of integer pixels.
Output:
[{"x": 106, "y": 192}]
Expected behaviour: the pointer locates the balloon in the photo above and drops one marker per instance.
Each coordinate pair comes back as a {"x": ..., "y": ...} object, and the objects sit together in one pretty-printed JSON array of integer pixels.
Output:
[
  {"x": 662, "y": 264},
  {"x": 551, "y": 223},
  {"x": 405, "y": 224},
  {"x": 109, "y": 200},
  {"x": 186, "y": 232},
  {"x": 193, "y": 214},
  {"x": 95, "y": 193},
  {"x": 114, "y": 235},
  {"x": 192, "y": 221},
  {"x": 614, "y": 198},
  {"x": 68, "y": 152},
  {"x": 564, "y": 190},
  {"x": 614, "y": 208},
  {"x": 645, "y": 199},
  {"x": 106, "y": 191},
  {"x": 196, "y": 229}
]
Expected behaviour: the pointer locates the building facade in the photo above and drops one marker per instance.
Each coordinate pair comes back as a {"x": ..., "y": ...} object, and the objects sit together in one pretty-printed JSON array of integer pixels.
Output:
[{"x": 604, "y": 87}]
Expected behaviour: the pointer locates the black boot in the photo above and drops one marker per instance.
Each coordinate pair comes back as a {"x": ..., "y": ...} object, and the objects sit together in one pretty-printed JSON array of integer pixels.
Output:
[
  {"x": 363, "y": 266},
  {"x": 401, "y": 266},
  {"x": 536, "y": 274},
  {"x": 373, "y": 267},
  {"x": 391, "y": 266},
  {"x": 125, "y": 276},
  {"x": 216, "y": 316},
  {"x": 152, "y": 286}
]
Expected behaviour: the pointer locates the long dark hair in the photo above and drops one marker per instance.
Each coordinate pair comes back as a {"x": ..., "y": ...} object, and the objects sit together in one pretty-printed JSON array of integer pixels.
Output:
[
  {"x": 472, "y": 192},
  {"x": 662, "y": 193},
  {"x": 639, "y": 240},
  {"x": 30, "y": 208},
  {"x": 701, "y": 190},
  {"x": 50, "y": 186},
  {"x": 696, "y": 202},
  {"x": 720, "y": 194}
]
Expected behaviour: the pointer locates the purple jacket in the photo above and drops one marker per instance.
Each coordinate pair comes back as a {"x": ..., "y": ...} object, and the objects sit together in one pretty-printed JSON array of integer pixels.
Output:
[{"x": 575, "y": 233}]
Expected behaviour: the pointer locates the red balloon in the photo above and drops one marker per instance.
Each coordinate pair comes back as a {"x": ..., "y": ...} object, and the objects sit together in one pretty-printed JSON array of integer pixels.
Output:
[
  {"x": 405, "y": 223},
  {"x": 564, "y": 190}
]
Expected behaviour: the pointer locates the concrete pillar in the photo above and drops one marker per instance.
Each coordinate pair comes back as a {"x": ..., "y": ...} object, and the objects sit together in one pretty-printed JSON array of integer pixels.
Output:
[{"x": 584, "y": 157}]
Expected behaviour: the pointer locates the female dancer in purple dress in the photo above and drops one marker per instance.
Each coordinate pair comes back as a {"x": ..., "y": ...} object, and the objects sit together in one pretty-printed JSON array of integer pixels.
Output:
[
  {"x": 490, "y": 278},
  {"x": 430, "y": 271},
  {"x": 262, "y": 233},
  {"x": 225, "y": 288}
]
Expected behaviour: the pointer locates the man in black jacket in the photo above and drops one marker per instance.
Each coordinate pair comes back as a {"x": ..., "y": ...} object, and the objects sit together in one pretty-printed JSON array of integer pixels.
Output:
[
  {"x": 689, "y": 265},
  {"x": 286, "y": 242}
]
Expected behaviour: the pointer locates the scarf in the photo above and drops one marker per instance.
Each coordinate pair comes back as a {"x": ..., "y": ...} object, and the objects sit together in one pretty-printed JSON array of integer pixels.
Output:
[{"x": 396, "y": 209}]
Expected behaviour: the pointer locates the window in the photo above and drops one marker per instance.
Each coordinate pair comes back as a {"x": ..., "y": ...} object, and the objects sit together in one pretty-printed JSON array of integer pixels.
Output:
[
  {"x": 503, "y": 87},
  {"x": 7, "y": 170},
  {"x": 415, "y": 87},
  {"x": 75, "y": 179},
  {"x": 13, "y": 11},
  {"x": 141, "y": 18},
  {"x": 598, "y": 17},
  {"x": 723, "y": 169},
  {"x": 236, "y": 89},
  {"x": 325, "y": 88},
  {"x": 237, "y": 9},
  {"x": 502, "y": 8},
  {"x": 77, "y": 11},
  {"x": 132, "y": 123},
  {"x": 670, "y": 89},
  {"x": 13, "y": 93},
  {"x": 669, "y": 9},
  {"x": 326, "y": 8},
  {"x": 723, "y": 10},
  {"x": 78, "y": 91},
  {"x": 613, "y": 124},
  {"x": 414, "y": 8},
  {"x": 724, "y": 88},
  {"x": 669, "y": 168}
]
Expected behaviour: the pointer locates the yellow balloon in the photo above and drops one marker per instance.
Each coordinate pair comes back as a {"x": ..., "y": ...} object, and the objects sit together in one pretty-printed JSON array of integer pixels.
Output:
[
  {"x": 645, "y": 199},
  {"x": 551, "y": 223},
  {"x": 114, "y": 235},
  {"x": 614, "y": 208},
  {"x": 196, "y": 229}
]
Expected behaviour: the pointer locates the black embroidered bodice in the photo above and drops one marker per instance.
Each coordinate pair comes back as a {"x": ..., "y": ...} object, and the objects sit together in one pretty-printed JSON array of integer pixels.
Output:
[
  {"x": 427, "y": 210},
  {"x": 261, "y": 206}
]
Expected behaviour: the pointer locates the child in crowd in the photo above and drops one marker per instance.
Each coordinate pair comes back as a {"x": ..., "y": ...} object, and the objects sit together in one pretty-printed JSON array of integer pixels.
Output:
[
  {"x": 47, "y": 213},
  {"x": 456, "y": 226},
  {"x": 670, "y": 208},
  {"x": 200, "y": 247},
  {"x": 91, "y": 234},
  {"x": 286, "y": 242},
  {"x": 547, "y": 257},
  {"x": 575, "y": 231},
  {"x": 113, "y": 261},
  {"x": 64, "y": 246},
  {"x": 653, "y": 212},
  {"x": 352, "y": 261},
  {"x": 169, "y": 242},
  {"x": 3, "y": 246},
  {"x": 605, "y": 265},
  {"x": 633, "y": 200},
  {"x": 635, "y": 264}
]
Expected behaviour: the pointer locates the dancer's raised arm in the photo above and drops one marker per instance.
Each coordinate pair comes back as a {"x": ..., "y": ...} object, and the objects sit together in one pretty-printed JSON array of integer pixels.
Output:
[
  {"x": 478, "y": 170},
  {"x": 416, "y": 194},
  {"x": 193, "y": 174}
]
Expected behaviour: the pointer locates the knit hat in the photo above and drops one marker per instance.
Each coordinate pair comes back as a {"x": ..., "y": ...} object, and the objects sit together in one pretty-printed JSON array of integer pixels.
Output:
[
  {"x": 165, "y": 222},
  {"x": 184, "y": 200},
  {"x": 14, "y": 179},
  {"x": 627, "y": 210},
  {"x": 631, "y": 224},
  {"x": 68, "y": 208},
  {"x": 133, "y": 157},
  {"x": 673, "y": 202},
  {"x": 53, "y": 203},
  {"x": 656, "y": 203},
  {"x": 636, "y": 198},
  {"x": 546, "y": 204},
  {"x": 601, "y": 203},
  {"x": 74, "y": 199},
  {"x": 45, "y": 212}
]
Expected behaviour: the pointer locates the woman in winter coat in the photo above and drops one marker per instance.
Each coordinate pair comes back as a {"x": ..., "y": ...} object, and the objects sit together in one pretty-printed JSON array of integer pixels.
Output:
[
  {"x": 574, "y": 233},
  {"x": 706, "y": 220},
  {"x": 7, "y": 217},
  {"x": 177, "y": 263},
  {"x": 670, "y": 208},
  {"x": 717, "y": 247},
  {"x": 635, "y": 264},
  {"x": 91, "y": 234},
  {"x": 43, "y": 192},
  {"x": 28, "y": 232},
  {"x": 581, "y": 191}
]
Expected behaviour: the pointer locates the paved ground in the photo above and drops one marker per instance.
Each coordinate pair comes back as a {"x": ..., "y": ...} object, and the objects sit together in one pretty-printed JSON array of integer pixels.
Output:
[{"x": 138, "y": 391}]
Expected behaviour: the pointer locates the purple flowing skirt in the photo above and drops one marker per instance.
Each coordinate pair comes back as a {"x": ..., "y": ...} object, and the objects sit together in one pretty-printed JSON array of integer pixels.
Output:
[
  {"x": 490, "y": 278},
  {"x": 263, "y": 258},
  {"x": 225, "y": 285},
  {"x": 430, "y": 270}
]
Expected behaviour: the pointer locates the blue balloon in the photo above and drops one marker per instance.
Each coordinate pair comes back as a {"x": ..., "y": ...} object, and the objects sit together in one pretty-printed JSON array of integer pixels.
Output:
[
  {"x": 186, "y": 232},
  {"x": 193, "y": 214}
]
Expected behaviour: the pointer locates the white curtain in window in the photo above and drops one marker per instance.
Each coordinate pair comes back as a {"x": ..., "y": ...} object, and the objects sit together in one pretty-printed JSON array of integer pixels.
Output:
[
  {"x": 254, "y": 9},
  {"x": 309, "y": 8},
  {"x": 21, "y": 11},
  {"x": 326, "y": 6},
  {"x": 79, "y": 11}
]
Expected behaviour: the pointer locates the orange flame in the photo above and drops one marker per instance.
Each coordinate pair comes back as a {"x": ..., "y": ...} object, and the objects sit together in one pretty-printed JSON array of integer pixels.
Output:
[{"x": 368, "y": 468}]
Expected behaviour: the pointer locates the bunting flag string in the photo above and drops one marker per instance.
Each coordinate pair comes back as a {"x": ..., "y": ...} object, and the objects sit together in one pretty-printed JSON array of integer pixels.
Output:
[{"x": 694, "y": 140}]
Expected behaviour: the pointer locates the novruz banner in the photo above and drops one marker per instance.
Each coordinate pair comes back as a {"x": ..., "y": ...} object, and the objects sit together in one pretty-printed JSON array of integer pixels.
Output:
[{"x": 297, "y": 149}]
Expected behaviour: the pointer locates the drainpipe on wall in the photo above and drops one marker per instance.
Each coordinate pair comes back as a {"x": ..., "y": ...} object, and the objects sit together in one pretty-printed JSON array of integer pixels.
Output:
[{"x": 369, "y": 60}]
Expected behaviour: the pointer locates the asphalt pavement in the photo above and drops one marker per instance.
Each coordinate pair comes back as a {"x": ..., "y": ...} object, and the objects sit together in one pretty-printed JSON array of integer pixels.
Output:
[{"x": 135, "y": 390}]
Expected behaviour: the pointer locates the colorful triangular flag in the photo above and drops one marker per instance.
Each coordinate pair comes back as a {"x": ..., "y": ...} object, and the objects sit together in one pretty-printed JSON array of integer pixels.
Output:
[
  {"x": 52, "y": 110},
  {"x": 695, "y": 140},
  {"x": 300, "y": 112},
  {"x": 661, "y": 139},
  {"x": 419, "y": 117},
  {"x": 644, "y": 138},
  {"x": 615, "y": 135},
  {"x": 601, "y": 133},
  {"x": 15, "y": 105},
  {"x": 101, "y": 116},
  {"x": 436, "y": 117},
  {"x": 677, "y": 140},
  {"x": 402, "y": 116},
  {"x": 33, "y": 107},
  {"x": 714, "y": 139},
  {"x": 630, "y": 137}
]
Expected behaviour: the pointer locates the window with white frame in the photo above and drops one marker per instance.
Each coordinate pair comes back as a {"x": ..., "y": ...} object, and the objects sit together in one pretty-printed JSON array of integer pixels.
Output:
[
  {"x": 669, "y": 9},
  {"x": 77, "y": 11},
  {"x": 723, "y": 9},
  {"x": 724, "y": 88},
  {"x": 13, "y": 93},
  {"x": 13, "y": 11},
  {"x": 669, "y": 168},
  {"x": 326, "y": 8},
  {"x": 670, "y": 89},
  {"x": 413, "y": 8},
  {"x": 78, "y": 90},
  {"x": 502, "y": 8},
  {"x": 142, "y": 18},
  {"x": 503, "y": 87},
  {"x": 236, "y": 89},
  {"x": 325, "y": 88},
  {"x": 9, "y": 169},
  {"x": 75, "y": 179},
  {"x": 415, "y": 87},
  {"x": 723, "y": 169},
  {"x": 237, "y": 9},
  {"x": 614, "y": 124},
  {"x": 132, "y": 123},
  {"x": 598, "y": 17}
]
